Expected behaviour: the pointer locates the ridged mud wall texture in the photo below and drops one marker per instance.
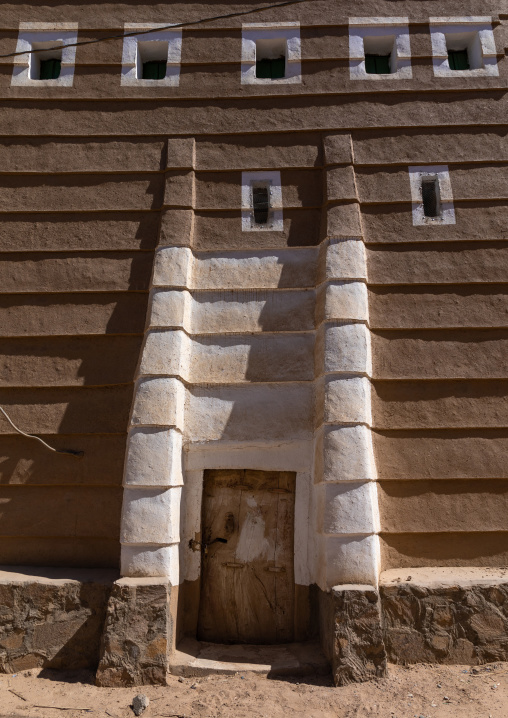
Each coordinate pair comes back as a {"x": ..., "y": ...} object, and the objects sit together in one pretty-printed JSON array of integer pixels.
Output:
[{"x": 91, "y": 182}]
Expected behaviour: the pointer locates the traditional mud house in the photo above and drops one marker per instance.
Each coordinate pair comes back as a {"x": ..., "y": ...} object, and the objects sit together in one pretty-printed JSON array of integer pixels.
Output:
[{"x": 254, "y": 268}]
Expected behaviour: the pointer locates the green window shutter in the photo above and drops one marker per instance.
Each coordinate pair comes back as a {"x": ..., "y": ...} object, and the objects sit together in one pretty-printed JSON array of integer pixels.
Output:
[
  {"x": 370, "y": 64},
  {"x": 264, "y": 69},
  {"x": 162, "y": 65},
  {"x": 50, "y": 69},
  {"x": 383, "y": 65},
  {"x": 154, "y": 70},
  {"x": 278, "y": 68},
  {"x": 261, "y": 204},
  {"x": 458, "y": 60},
  {"x": 377, "y": 64}
]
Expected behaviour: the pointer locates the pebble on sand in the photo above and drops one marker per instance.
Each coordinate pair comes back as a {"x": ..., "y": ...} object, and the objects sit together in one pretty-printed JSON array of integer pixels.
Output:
[{"x": 139, "y": 704}]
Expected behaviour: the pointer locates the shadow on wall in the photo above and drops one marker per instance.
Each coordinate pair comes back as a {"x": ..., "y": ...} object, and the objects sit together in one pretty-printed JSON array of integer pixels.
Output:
[{"x": 76, "y": 388}]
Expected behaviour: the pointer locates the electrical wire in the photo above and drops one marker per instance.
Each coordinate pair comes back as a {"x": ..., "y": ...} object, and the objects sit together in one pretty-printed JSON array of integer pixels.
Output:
[
  {"x": 173, "y": 26},
  {"x": 70, "y": 452}
]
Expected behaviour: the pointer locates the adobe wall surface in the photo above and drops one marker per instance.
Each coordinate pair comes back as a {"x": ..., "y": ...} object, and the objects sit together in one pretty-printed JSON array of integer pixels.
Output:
[{"x": 359, "y": 350}]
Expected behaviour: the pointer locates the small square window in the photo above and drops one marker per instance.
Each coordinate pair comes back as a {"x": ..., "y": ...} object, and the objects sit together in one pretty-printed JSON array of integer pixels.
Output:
[
  {"x": 271, "y": 58},
  {"x": 379, "y": 48},
  {"x": 464, "y": 51},
  {"x": 151, "y": 58},
  {"x": 431, "y": 196},
  {"x": 458, "y": 60},
  {"x": 50, "y": 69},
  {"x": 46, "y": 62},
  {"x": 262, "y": 202},
  {"x": 377, "y": 64},
  {"x": 49, "y": 58},
  {"x": 463, "y": 45},
  {"x": 271, "y": 53},
  {"x": 154, "y": 70}
]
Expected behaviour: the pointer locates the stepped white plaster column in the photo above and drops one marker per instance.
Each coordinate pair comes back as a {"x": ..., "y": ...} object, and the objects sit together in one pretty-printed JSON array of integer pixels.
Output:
[
  {"x": 153, "y": 479},
  {"x": 346, "y": 505}
]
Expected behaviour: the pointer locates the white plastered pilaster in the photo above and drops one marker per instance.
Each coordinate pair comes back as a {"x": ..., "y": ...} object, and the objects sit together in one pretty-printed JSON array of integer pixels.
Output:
[
  {"x": 345, "y": 497},
  {"x": 153, "y": 476}
]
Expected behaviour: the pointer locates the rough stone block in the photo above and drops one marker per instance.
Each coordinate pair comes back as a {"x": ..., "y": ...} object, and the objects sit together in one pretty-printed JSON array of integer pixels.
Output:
[
  {"x": 176, "y": 228},
  {"x": 137, "y": 634},
  {"x": 154, "y": 458},
  {"x": 345, "y": 259},
  {"x": 172, "y": 267},
  {"x": 179, "y": 190},
  {"x": 358, "y": 651},
  {"x": 181, "y": 152},
  {"x": 166, "y": 352},
  {"x": 170, "y": 308},
  {"x": 348, "y": 349},
  {"x": 348, "y": 454},
  {"x": 53, "y": 618},
  {"x": 159, "y": 402},
  {"x": 349, "y": 559},
  {"x": 151, "y": 516},
  {"x": 348, "y": 508},
  {"x": 344, "y": 220},
  {"x": 347, "y": 300},
  {"x": 337, "y": 149},
  {"x": 142, "y": 561},
  {"x": 449, "y": 622},
  {"x": 347, "y": 400},
  {"x": 340, "y": 183}
]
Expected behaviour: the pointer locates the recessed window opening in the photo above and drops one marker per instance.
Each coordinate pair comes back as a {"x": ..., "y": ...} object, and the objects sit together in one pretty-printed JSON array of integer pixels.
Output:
[
  {"x": 152, "y": 60},
  {"x": 261, "y": 202},
  {"x": 380, "y": 55},
  {"x": 464, "y": 51},
  {"x": 430, "y": 197},
  {"x": 271, "y": 58},
  {"x": 46, "y": 63}
]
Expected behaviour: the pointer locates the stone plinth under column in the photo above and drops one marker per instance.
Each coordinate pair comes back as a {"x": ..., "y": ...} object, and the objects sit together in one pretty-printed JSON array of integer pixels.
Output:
[
  {"x": 351, "y": 633},
  {"x": 137, "y": 633}
]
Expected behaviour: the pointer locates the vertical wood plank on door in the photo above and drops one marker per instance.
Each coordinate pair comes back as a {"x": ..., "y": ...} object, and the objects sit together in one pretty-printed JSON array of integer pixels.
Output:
[
  {"x": 284, "y": 606},
  {"x": 247, "y": 593},
  {"x": 217, "y": 609}
]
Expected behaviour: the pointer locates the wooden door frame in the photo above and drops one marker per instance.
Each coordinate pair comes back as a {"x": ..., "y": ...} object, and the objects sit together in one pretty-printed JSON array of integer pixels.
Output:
[{"x": 186, "y": 605}]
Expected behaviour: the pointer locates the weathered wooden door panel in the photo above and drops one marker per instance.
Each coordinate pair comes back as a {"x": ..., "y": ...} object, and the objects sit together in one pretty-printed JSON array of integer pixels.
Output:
[{"x": 247, "y": 592}]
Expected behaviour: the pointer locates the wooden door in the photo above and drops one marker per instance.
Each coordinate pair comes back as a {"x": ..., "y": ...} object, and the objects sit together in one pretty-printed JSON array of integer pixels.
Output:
[{"x": 247, "y": 573}]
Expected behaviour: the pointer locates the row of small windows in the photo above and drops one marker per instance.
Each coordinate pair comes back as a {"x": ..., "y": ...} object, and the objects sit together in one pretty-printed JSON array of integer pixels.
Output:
[
  {"x": 270, "y": 52},
  {"x": 266, "y": 68},
  {"x": 431, "y": 194}
]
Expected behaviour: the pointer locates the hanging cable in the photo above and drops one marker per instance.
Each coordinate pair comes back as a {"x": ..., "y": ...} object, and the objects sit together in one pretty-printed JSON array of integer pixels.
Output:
[
  {"x": 70, "y": 452},
  {"x": 173, "y": 26}
]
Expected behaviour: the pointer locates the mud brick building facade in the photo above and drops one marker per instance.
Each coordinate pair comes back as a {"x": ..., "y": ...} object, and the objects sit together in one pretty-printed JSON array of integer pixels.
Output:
[{"x": 255, "y": 269}]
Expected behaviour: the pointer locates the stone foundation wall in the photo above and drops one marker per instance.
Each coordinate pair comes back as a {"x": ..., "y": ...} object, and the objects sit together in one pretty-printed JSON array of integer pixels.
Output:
[
  {"x": 442, "y": 620},
  {"x": 436, "y": 615},
  {"x": 52, "y": 620},
  {"x": 122, "y": 628}
]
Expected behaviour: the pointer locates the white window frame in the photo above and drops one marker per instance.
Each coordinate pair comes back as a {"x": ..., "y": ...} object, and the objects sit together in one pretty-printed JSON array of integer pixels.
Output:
[
  {"x": 131, "y": 57},
  {"x": 417, "y": 173},
  {"x": 275, "y": 218},
  {"x": 290, "y": 33},
  {"x": 443, "y": 27},
  {"x": 54, "y": 33},
  {"x": 361, "y": 28}
]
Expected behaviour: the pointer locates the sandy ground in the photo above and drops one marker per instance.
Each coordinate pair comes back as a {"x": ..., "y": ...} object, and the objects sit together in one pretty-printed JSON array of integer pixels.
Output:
[{"x": 415, "y": 692}]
